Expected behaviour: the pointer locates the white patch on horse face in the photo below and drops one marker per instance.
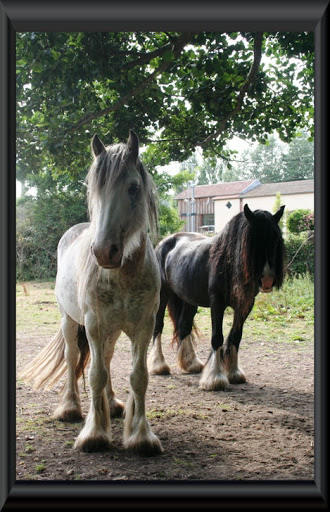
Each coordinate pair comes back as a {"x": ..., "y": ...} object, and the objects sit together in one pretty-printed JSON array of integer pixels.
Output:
[{"x": 267, "y": 279}]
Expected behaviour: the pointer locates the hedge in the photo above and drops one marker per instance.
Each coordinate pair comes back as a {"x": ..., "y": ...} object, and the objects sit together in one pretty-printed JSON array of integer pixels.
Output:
[{"x": 300, "y": 254}]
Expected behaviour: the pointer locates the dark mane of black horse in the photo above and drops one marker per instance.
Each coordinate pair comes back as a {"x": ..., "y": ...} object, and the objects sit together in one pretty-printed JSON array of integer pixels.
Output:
[{"x": 241, "y": 250}]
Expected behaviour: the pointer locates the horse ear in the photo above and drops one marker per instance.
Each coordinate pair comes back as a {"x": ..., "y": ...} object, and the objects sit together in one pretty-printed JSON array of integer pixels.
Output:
[
  {"x": 133, "y": 145},
  {"x": 248, "y": 214},
  {"x": 97, "y": 146},
  {"x": 277, "y": 216}
]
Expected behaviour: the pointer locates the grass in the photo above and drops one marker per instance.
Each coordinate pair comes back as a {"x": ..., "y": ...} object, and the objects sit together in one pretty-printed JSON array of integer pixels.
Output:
[
  {"x": 294, "y": 301},
  {"x": 36, "y": 309},
  {"x": 40, "y": 468},
  {"x": 287, "y": 314}
]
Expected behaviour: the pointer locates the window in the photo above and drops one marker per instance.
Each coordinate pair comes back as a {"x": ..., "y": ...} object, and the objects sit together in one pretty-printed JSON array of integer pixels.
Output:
[{"x": 208, "y": 219}]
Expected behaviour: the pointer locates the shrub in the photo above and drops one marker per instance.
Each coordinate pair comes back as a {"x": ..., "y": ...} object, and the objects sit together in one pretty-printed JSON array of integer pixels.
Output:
[
  {"x": 40, "y": 223},
  {"x": 300, "y": 254},
  {"x": 300, "y": 220}
]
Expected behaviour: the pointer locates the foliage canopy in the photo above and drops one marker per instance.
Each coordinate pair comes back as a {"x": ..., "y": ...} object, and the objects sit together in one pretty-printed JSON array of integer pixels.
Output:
[{"x": 177, "y": 90}]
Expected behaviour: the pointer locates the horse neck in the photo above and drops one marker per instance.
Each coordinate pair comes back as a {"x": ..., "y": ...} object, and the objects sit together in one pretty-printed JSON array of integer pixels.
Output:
[{"x": 137, "y": 258}]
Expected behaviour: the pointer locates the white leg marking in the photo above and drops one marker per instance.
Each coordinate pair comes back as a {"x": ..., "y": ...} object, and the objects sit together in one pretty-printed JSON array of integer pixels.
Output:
[
  {"x": 156, "y": 360},
  {"x": 95, "y": 436},
  {"x": 138, "y": 436},
  {"x": 234, "y": 373},
  {"x": 213, "y": 379},
  {"x": 187, "y": 358}
]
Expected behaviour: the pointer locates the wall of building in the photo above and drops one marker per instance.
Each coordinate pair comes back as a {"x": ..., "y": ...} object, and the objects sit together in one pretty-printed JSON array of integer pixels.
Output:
[
  {"x": 291, "y": 201},
  {"x": 222, "y": 214}
]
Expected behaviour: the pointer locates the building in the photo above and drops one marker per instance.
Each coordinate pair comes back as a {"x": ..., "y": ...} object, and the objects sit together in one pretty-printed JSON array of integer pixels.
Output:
[
  {"x": 209, "y": 207},
  {"x": 196, "y": 203},
  {"x": 294, "y": 195}
]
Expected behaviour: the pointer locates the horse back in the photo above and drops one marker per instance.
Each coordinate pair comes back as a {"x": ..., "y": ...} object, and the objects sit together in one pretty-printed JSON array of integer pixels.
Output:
[{"x": 70, "y": 236}]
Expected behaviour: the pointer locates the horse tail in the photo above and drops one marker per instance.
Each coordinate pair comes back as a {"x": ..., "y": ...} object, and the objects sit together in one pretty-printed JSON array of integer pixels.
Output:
[
  {"x": 175, "y": 307},
  {"x": 49, "y": 366},
  {"x": 84, "y": 356}
]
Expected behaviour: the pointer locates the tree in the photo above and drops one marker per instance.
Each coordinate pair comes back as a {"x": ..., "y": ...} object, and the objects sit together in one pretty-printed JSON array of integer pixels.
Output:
[
  {"x": 298, "y": 163},
  {"x": 276, "y": 161},
  {"x": 211, "y": 171},
  {"x": 264, "y": 162},
  {"x": 40, "y": 223},
  {"x": 178, "y": 90}
]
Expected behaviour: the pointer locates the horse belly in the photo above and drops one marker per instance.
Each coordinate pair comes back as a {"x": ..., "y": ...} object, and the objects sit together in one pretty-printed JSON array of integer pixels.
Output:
[{"x": 193, "y": 294}]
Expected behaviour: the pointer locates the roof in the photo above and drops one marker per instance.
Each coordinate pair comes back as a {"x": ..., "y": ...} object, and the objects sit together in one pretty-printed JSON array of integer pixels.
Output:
[
  {"x": 233, "y": 188},
  {"x": 284, "y": 188}
]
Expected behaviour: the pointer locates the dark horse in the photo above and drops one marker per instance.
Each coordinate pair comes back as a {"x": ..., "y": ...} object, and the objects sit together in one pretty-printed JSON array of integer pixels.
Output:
[{"x": 228, "y": 269}]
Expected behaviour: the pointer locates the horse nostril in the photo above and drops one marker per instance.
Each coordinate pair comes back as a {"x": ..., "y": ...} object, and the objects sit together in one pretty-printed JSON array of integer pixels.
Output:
[{"x": 113, "y": 251}]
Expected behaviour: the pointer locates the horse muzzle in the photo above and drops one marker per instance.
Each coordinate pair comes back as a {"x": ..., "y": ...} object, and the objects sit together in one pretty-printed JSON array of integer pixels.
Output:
[
  {"x": 107, "y": 256},
  {"x": 267, "y": 283}
]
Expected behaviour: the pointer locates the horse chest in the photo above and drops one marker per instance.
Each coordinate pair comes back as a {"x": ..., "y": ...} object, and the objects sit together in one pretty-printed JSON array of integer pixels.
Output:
[{"x": 125, "y": 301}]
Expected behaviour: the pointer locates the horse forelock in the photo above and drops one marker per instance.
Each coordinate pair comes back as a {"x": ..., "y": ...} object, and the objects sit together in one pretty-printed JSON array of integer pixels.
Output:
[
  {"x": 266, "y": 246},
  {"x": 241, "y": 249},
  {"x": 106, "y": 168},
  {"x": 109, "y": 169}
]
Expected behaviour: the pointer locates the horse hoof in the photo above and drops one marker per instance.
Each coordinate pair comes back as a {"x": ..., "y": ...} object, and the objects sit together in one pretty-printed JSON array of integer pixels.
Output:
[
  {"x": 68, "y": 415},
  {"x": 196, "y": 367},
  {"x": 99, "y": 443},
  {"x": 157, "y": 364},
  {"x": 117, "y": 408},
  {"x": 160, "y": 370},
  {"x": 145, "y": 447},
  {"x": 237, "y": 377},
  {"x": 218, "y": 383}
]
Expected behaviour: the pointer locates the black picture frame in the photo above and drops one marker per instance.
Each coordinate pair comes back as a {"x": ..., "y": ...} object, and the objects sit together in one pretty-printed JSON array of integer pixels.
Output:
[{"x": 236, "y": 15}]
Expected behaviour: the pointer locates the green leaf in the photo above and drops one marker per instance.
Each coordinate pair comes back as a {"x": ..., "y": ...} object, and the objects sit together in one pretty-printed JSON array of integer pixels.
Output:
[
  {"x": 168, "y": 56},
  {"x": 37, "y": 67}
]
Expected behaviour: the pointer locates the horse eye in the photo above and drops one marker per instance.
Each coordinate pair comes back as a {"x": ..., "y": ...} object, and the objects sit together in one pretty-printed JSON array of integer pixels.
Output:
[{"x": 133, "y": 189}]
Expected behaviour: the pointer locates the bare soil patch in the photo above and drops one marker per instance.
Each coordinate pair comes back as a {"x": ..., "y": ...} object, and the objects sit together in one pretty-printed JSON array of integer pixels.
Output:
[{"x": 260, "y": 430}]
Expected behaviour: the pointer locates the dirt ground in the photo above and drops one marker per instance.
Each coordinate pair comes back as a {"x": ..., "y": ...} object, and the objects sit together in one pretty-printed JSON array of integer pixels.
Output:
[{"x": 261, "y": 430}]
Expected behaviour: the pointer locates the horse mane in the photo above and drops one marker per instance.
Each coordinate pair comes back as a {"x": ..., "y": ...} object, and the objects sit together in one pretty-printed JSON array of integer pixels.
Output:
[
  {"x": 224, "y": 253},
  {"x": 238, "y": 250}
]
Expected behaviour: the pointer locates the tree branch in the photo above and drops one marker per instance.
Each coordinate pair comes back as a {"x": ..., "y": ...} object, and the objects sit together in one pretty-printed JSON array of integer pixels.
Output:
[
  {"x": 245, "y": 87},
  {"x": 176, "y": 48}
]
